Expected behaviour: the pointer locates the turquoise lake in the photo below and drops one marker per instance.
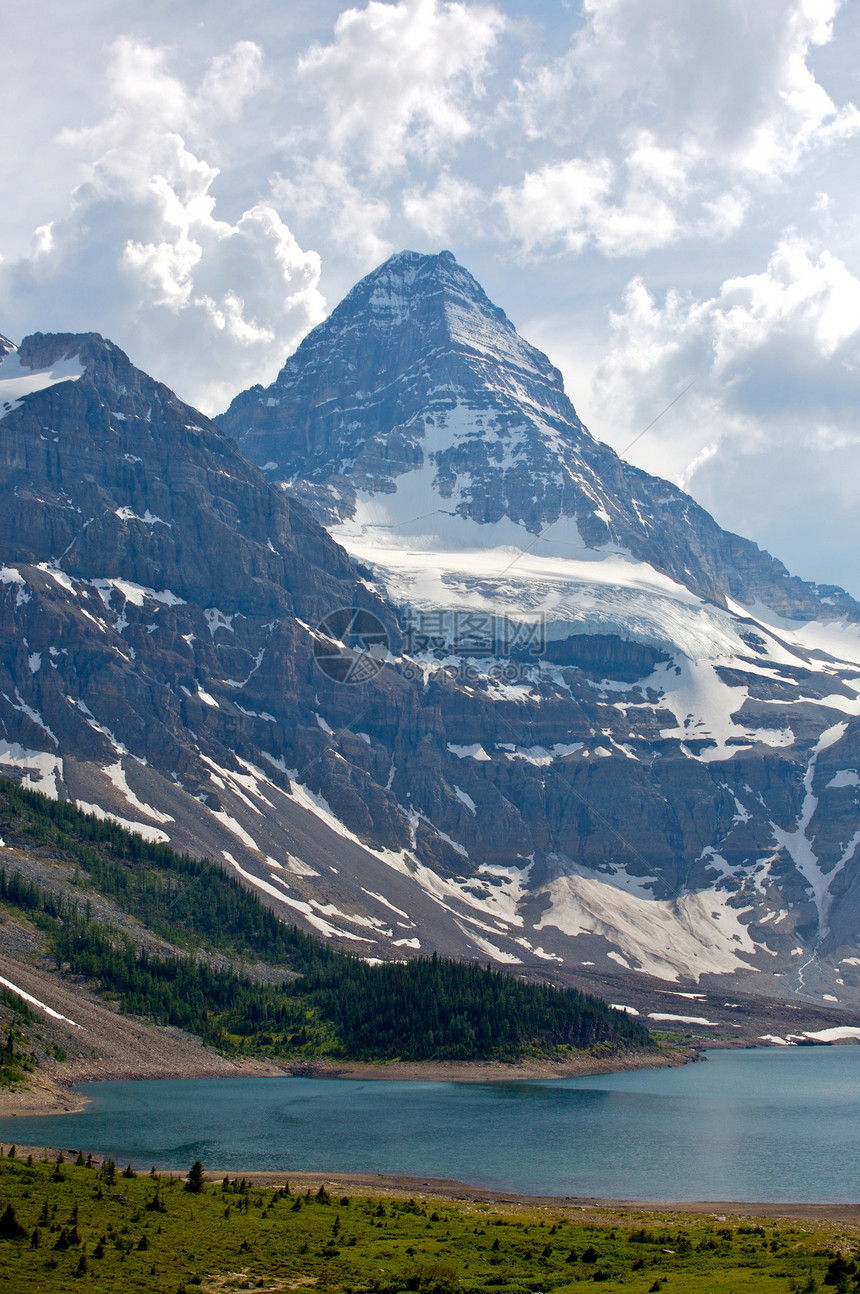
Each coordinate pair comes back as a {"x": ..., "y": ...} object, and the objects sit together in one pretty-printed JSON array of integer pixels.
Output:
[{"x": 767, "y": 1124}]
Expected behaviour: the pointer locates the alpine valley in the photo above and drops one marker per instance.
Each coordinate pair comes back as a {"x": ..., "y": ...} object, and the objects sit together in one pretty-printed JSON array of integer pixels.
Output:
[{"x": 399, "y": 643}]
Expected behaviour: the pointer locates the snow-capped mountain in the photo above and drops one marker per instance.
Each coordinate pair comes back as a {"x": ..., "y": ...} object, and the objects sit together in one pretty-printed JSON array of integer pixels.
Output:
[
  {"x": 415, "y": 419},
  {"x": 691, "y": 706},
  {"x": 625, "y": 746}
]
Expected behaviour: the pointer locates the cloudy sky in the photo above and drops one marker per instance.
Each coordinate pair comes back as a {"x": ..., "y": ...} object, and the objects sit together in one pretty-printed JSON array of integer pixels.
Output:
[{"x": 658, "y": 192}]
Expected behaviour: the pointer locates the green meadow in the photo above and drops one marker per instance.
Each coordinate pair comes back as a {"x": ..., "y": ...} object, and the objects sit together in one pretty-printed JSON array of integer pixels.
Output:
[{"x": 68, "y": 1226}]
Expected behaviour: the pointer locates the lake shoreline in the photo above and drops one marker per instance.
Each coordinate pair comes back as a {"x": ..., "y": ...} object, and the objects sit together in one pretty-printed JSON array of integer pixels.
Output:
[
  {"x": 591, "y": 1209},
  {"x": 399, "y": 1187},
  {"x": 52, "y": 1094}
]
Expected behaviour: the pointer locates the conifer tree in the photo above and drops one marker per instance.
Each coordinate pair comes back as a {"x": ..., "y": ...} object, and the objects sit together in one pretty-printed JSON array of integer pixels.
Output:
[
  {"x": 196, "y": 1178},
  {"x": 10, "y": 1227}
]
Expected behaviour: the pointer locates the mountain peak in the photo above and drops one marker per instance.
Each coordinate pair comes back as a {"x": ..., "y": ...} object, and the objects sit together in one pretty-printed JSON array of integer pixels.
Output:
[
  {"x": 412, "y": 304},
  {"x": 42, "y": 361},
  {"x": 440, "y": 297},
  {"x": 39, "y": 349},
  {"x": 411, "y": 275},
  {"x": 415, "y": 369},
  {"x": 407, "y": 278},
  {"x": 416, "y": 415}
]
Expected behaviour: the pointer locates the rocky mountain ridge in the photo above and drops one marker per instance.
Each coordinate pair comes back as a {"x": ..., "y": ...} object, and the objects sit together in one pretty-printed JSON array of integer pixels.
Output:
[{"x": 662, "y": 787}]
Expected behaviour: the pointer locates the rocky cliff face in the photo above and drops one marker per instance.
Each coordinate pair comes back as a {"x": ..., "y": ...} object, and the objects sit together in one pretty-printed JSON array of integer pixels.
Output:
[
  {"x": 153, "y": 589},
  {"x": 579, "y": 760}
]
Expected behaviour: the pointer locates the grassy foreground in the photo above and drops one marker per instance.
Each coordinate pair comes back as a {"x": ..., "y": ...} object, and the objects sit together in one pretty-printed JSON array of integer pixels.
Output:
[{"x": 66, "y": 1227}]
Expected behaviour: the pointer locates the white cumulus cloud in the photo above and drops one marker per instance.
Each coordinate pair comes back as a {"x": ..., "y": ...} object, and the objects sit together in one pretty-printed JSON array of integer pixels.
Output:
[
  {"x": 207, "y": 305},
  {"x": 402, "y": 79},
  {"x": 437, "y": 210},
  {"x": 691, "y": 109},
  {"x": 752, "y": 341},
  {"x": 774, "y": 358},
  {"x": 730, "y": 80},
  {"x": 574, "y": 204},
  {"x": 396, "y": 93},
  {"x": 354, "y": 216}
]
